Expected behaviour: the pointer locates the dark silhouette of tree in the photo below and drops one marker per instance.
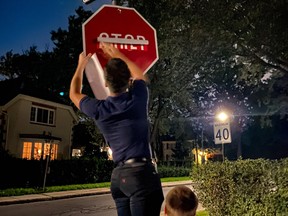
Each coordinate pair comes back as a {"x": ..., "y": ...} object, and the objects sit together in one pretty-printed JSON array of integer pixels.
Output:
[
  {"x": 212, "y": 55},
  {"x": 217, "y": 54}
]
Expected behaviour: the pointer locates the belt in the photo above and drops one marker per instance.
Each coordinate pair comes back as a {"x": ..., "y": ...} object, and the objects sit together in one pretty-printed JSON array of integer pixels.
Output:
[{"x": 133, "y": 160}]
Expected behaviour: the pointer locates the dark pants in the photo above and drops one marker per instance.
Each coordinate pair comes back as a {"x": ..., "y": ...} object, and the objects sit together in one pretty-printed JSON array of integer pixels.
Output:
[{"x": 137, "y": 190}]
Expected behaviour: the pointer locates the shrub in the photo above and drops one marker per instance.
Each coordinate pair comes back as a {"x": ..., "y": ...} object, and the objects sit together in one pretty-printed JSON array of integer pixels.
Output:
[
  {"x": 30, "y": 173},
  {"x": 79, "y": 171},
  {"x": 243, "y": 187}
]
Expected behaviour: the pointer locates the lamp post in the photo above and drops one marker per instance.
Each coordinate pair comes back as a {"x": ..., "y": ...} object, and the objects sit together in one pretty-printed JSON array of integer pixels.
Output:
[
  {"x": 222, "y": 117},
  {"x": 48, "y": 157},
  {"x": 202, "y": 147},
  {"x": 202, "y": 140}
]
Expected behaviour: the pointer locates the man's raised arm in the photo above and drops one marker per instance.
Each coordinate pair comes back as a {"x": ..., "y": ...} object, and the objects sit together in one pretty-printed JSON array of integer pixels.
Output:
[{"x": 75, "y": 92}]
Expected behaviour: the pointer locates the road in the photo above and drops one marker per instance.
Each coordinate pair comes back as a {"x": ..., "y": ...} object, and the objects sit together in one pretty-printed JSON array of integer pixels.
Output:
[{"x": 97, "y": 205}]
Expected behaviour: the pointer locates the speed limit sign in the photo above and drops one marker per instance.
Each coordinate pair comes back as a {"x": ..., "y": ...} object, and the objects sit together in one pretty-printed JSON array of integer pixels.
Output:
[{"x": 222, "y": 133}]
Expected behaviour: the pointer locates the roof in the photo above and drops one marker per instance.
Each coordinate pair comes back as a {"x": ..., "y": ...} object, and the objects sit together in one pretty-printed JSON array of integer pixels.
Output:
[{"x": 10, "y": 88}]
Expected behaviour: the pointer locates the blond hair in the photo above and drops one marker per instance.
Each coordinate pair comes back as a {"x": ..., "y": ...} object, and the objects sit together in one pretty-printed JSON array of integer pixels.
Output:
[{"x": 181, "y": 201}]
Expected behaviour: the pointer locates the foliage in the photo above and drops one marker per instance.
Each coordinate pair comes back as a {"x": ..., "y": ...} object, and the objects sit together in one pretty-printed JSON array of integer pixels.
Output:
[
  {"x": 30, "y": 173},
  {"x": 216, "y": 55},
  {"x": 202, "y": 213},
  {"x": 86, "y": 135},
  {"x": 79, "y": 171},
  {"x": 212, "y": 55},
  {"x": 26, "y": 65},
  {"x": 183, "y": 132},
  {"x": 266, "y": 142},
  {"x": 93, "y": 151},
  {"x": 180, "y": 152},
  {"x": 244, "y": 187},
  {"x": 81, "y": 135},
  {"x": 4, "y": 154},
  {"x": 68, "y": 46}
]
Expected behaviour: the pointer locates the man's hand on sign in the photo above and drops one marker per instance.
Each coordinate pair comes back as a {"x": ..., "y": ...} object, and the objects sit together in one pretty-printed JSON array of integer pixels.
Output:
[
  {"x": 83, "y": 60},
  {"x": 111, "y": 52}
]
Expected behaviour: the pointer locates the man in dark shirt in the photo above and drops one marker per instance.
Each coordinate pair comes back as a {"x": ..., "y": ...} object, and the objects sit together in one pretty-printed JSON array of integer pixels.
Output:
[{"x": 122, "y": 118}]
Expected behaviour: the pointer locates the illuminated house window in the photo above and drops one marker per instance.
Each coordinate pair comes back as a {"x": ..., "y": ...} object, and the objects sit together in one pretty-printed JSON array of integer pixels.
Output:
[
  {"x": 38, "y": 150},
  {"x": 42, "y": 115},
  {"x": 52, "y": 152},
  {"x": 46, "y": 150},
  {"x": 27, "y": 149}
]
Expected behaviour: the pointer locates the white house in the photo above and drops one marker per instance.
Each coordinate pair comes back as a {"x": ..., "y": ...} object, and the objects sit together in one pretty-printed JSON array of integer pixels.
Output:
[{"x": 34, "y": 125}]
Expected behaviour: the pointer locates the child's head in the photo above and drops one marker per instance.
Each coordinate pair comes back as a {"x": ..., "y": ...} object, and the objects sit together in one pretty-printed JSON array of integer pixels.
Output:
[{"x": 181, "y": 201}]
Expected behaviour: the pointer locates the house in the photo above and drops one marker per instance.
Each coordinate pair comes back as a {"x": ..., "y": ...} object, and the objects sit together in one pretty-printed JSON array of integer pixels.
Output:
[
  {"x": 33, "y": 122},
  {"x": 168, "y": 144}
]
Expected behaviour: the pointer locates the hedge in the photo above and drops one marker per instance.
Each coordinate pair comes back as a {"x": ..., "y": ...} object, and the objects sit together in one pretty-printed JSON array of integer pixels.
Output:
[
  {"x": 243, "y": 187},
  {"x": 19, "y": 173}
]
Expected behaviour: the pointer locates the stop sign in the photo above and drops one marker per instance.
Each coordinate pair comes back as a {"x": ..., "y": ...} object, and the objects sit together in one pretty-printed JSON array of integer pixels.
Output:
[{"x": 126, "y": 29}]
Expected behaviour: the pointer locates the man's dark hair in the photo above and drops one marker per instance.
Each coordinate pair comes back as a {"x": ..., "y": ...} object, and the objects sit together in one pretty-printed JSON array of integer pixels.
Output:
[{"x": 117, "y": 75}]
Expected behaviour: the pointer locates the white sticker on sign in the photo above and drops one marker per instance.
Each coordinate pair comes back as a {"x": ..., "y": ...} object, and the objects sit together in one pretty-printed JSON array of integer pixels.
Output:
[{"x": 95, "y": 76}]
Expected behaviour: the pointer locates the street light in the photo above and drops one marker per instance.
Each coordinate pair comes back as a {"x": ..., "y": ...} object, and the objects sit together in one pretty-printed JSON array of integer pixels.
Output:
[{"x": 222, "y": 116}]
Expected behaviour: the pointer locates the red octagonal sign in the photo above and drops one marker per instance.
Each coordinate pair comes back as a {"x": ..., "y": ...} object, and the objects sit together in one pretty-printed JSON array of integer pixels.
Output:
[{"x": 126, "y": 29}]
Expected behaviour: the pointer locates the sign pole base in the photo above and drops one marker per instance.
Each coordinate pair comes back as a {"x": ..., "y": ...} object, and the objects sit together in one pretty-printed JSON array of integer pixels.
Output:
[{"x": 223, "y": 157}]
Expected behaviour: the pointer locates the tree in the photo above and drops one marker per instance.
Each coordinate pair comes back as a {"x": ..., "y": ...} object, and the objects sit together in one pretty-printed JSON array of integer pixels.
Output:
[
  {"x": 26, "y": 65},
  {"x": 186, "y": 73},
  {"x": 213, "y": 54},
  {"x": 7, "y": 65},
  {"x": 87, "y": 135},
  {"x": 260, "y": 35},
  {"x": 68, "y": 46}
]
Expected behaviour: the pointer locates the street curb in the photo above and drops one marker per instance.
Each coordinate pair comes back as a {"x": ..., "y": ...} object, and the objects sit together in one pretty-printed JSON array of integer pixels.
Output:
[{"x": 68, "y": 194}]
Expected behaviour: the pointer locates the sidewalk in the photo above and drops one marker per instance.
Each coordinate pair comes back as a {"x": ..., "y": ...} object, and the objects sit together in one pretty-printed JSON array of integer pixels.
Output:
[{"x": 70, "y": 194}]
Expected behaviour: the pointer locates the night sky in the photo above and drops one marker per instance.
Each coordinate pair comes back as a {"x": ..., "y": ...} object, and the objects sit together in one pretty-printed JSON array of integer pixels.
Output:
[{"x": 25, "y": 23}]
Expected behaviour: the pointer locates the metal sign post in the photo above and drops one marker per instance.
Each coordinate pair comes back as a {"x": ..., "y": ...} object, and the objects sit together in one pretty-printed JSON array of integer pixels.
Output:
[{"x": 222, "y": 134}]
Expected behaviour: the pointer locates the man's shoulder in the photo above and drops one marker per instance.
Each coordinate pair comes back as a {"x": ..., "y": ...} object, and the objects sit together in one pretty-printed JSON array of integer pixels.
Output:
[{"x": 139, "y": 82}]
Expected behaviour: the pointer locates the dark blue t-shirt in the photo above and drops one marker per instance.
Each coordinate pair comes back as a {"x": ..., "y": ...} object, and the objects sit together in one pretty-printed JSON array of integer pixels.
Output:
[{"x": 123, "y": 121}]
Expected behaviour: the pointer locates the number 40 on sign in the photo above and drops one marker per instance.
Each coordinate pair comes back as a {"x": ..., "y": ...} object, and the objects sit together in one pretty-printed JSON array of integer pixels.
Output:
[{"x": 222, "y": 133}]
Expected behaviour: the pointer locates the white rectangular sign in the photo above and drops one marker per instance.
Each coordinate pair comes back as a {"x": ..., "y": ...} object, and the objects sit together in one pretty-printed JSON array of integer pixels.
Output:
[{"x": 222, "y": 132}]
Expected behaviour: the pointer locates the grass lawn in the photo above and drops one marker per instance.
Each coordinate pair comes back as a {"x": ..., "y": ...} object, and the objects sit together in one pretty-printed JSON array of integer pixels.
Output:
[{"x": 25, "y": 191}]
